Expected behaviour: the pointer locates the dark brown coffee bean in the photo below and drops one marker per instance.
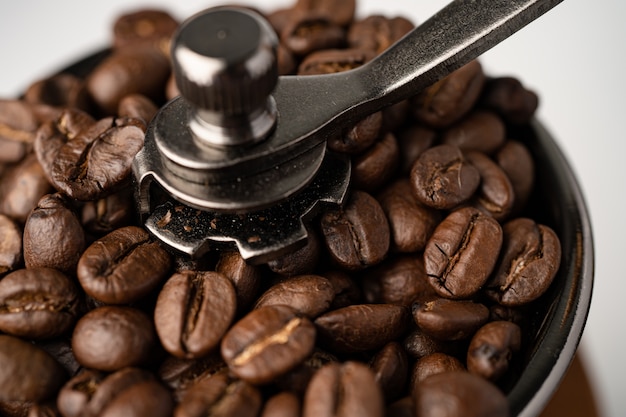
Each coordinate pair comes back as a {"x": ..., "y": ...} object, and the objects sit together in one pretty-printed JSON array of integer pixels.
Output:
[
  {"x": 508, "y": 97},
  {"x": 122, "y": 266},
  {"x": 182, "y": 374},
  {"x": 60, "y": 349},
  {"x": 17, "y": 130},
  {"x": 456, "y": 394},
  {"x": 21, "y": 187},
  {"x": 137, "y": 106},
  {"x": 531, "y": 255},
  {"x": 377, "y": 33},
  {"x": 495, "y": 195},
  {"x": 77, "y": 392},
  {"x": 390, "y": 367},
  {"x": 376, "y": 166},
  {"x": 134, "y": 69},
  {"x": 360, "y": 137},
  {"x": 10, "y": 245},
  {"x": 37, "y": 303},
  {"x": 329, "y": 61},
  {"x": 149, "y": 27},
  {"x": 220, "y": 396},
  {"x": 347, "y": 291},
  {"x": 267, "y": 342},
  {"x": 418, "y": 344},
  {"x": 413, "y": 141},
  {"x": 462, "y": 253},
  {"x": 492, "y": 348},
  {"x": 361, "y": 327},
  {"x": 411, "y": 223},
  {"x": 194, "y": 310},
  {"x": 395, "y": 116},
  {"x": 53, "y": 235},
  {"x": 400, "y": 280},
  {"x": 279, "y": 18},
  {"x": 283, "y": 404},
  {"x": 93, "y": 162},
  {"x": 102, "y": 216},
  {"x": 357, "y": 235},
  {"x": 480, "y": 131},
  {"x": 402, "y": 408},
  {"x": 449, "y": 99},
  {"x": 15, "y": 408},
  {"x": 309, "y": 295},
  {"x": 446, "y": 319},
  {"x": 44, "y": 410},
  {"x": 112, "y": 337},
  {"x": 28, "y": 372},
  {"x": 297, "y": 380},
  {"x": 60, "y": 90},
  {"x": 147, "y": 398},
  {"x": 286, "y": 61},
  {"x": 442, "y": 178},
  {"x": 301, "y": 261},
  {"x": 307, "y": 33},
  {"x": 516, "y": 161},
  {"x": 435, "y": 363},
  {"x": 342, "y": 390},
  {"x": 340, "y": 13},
  {"x": 246, "y": 278}
]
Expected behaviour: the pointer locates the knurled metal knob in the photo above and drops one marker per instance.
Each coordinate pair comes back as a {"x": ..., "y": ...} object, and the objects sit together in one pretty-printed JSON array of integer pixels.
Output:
[{"x": 225, "y": 66}]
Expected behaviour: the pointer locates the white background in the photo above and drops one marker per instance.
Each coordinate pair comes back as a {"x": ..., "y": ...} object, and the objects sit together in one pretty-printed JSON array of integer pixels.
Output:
[{"x": 574, "y": 57}]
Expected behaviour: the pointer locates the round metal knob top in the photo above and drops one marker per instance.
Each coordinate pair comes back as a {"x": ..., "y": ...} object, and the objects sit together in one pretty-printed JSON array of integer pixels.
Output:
[{"x": 225, "y": 67}]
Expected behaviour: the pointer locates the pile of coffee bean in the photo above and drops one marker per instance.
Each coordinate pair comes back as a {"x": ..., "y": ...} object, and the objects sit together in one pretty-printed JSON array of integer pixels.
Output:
[{"x": 412, "y": 299}]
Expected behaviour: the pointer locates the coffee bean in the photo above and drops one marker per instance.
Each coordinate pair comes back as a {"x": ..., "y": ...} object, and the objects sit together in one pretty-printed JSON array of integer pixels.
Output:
[
  {"x": 341, "y": 13},
  {"x": 308, "y": 33},
  {"x": 330, "y": 61},
  {"x": 88, "y": 160},
  {"x": 517, "y": 163},
  {"x": 146, "y": 399},
  {"x": 462, "y": 253},
  {"x": 43, "y": 410},
  {"x": 182, "y": 374},
  {"x": 149, "y": 27},
  {"x": 28, "y": 372},
  {"x": 137, "y": 106},
  {"x": 285, "y": 60},
  {"x": 309, "y": 295},
  {"x": 418, "y": 344},
  {"x": 77, "y": 392},
  {"x": 347, "y": 291},
  {"x": 402, "y": 408},
  {"x": 122, "y": 266},
  {"x": 60, "y": 349},
  {"x": 375, "y": 167},
  {"x": 377, "y": 33},
  {"x": 509, "y": 98},
  {"x": 110, "y": 338},
  {"x": 459, "y": 393},
  {"x": 17, "y": 130},
  {"x": 112, "y": 212},
  {"x": 194, "y": 310},
  {"x": 442, "y": 178},
  {"x": 10, "y": 245},
  {"x": 301, "y": 261},
  {"x": 37, "y": 303},
  {"x": 390, "y": 366},
  {"x": 480, "y": 131},
  {"x": 361, "y": 327},
  {"x": 297, "y": 380},
  {"x": 246, "y": 278},
  {"x": 283, "y": 404},
  {"x": 435, "y": 363},
  {"x": 413, "y": 140},
  {"x": 357, "y": 236},
  {"x": 449, "y": 99},
  {"x": 267, "y": 342},
  {"x": 492, "y": 348},
  {"x": 53, "y": 235},
  {"x": 410, "y": 222},
  {"x": 358, "y": 138},
  {"x": 531, "y": 255},
  {"x": 495, "y": 195},
  {"x": 61, "y": 90},
  {"x": 342, "y": 390},
  {"x": 446, "y": 319}
]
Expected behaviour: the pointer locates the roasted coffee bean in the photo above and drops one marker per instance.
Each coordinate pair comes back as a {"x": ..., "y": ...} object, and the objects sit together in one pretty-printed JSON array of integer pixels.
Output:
[
  {"x": 492, "y": 348},
  {"x": 53, "y": 235},
  {"x": 395, "y": 116},
  {"x": 418, "y": 344},
  {"x": 530, "y": 258},
  {"x": 446, "y": 319},
  {"x": 134, "y": 69},
  {"x": 329, "y": 61},
  {"x": 285, "y": 60},
  {"x": 283, "y": 404},
  {"x": 93, "y": 162},
  {"x": 137, "y": 106},
  {"x": 456, "y": 394},
  {"x": 307, "y": 33},
  {"x": 43, "y": 410},
  {"x": 402, "y": 408},
  {"x": 442, "y": 178},
  {"x": 267, "y": 342},
  {"x": 77, "y": 392},
  {"x": 399, "y": 280},
  {"x": 410, "y": 222},
  {"x": 297, "y": 380},
  {"x": 246, "y": 278},
  {"x": 435, "y": 363},
  {"x": 21, "y": 187},
  {"x": 347, "y": 291},
  {"x": 309, "y": 295},
  {"x": 122, "y": 266},
  {"x": 376, "y": 166},
  {"x": 377, "y": 33},
  {"x": 509, "y": 98},
  {"x": 301, "y": 261},
  {"x": 481, "y": 131},
  {"x": 449, "y": 99},
  {"x": 61, "y": 90},
  {"x": 357, "y": 235},
  {"x": 342, "y": 390},
  {"x": 413, "y": 141},
  {"x": 37, "y": 303},
  {"x": 390, "y": 366},
  {"x": 149, "y": 27},
  {"x": 147, "y": 398},
  {"x": 28, "y": 372},
  {"x": 220, "y": 396},
  {"x": 110, "y": 338},
  {"x": 194, "y": 310},
  {"x": 495, "y": 195},
  {"x": 102, "y": 216},
  {"x": 517, "y": 163},
  {"x": 341, "y": 13},
  {"x": 10, "y": 245},
  {"x": 60, "y": 349},
  {"x": 360, "y": 137},
  {"x": 17, "y": 130},
  {"x": 182, "y": 374},
  {"x": 361, "y": 327},
  {"x": 279, "y": 18},
  {"x": 462, "y": 253}
]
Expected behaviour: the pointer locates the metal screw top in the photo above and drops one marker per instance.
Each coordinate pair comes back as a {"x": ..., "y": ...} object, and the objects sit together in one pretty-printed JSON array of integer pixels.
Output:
[{"x": 225, "y": 66}]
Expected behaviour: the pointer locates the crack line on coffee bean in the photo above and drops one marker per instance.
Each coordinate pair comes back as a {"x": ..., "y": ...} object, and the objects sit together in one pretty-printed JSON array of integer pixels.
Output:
[{"x": 281, "y": 337}]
